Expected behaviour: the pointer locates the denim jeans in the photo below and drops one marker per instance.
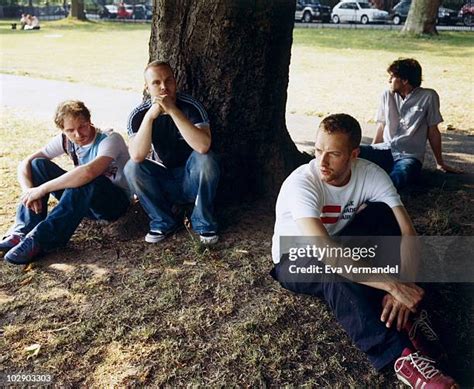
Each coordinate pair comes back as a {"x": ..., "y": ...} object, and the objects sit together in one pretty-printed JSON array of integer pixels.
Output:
[
  {"x": 357, "y": 307},
  {"x": 158, "y": 188},
  {"x": 99, "y": 199},
  {"x": 403, "y": 171}
]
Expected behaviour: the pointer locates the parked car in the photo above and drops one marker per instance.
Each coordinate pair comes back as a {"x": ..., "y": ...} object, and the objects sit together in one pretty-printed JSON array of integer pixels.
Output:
[
  {"x": 466, "y": 13},
  {"x": 447, "y": 16},
  {"x": 399, "y": 13},
  {"x": 357, "y": 12},
  {"x": 139, "y": 12},
  {"x": 309, "y": 10},
  {"x": 108, "y": 12}
]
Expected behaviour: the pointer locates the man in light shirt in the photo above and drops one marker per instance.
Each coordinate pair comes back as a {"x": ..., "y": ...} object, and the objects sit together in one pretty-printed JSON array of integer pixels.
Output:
[
  {"x": 408, "y": 115},
  {"x": 96, "y": 188}
]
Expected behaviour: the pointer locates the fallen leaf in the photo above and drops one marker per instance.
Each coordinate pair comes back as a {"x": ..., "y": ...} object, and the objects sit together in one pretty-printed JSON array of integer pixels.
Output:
[
  {"x": 33, "y": 350},
  {"x": 26, "y": 281},
  {"x": 190, "y": 263}
]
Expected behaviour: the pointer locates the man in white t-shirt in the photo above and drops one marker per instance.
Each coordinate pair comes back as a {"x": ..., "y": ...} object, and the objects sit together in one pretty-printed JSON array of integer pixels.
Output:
[
  {"x": 325, "y": 198},
  {"x": 408, "y": 115},
  {"x": 95, "y": 188}
]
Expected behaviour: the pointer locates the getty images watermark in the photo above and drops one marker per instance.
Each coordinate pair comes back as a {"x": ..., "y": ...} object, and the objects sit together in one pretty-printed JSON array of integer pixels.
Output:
[{"x": 374, "y": 258}]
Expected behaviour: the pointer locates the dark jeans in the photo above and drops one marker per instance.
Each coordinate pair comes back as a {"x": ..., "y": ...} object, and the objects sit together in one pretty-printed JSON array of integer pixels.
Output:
[
  {"x": 403, "y": 172},
  {"x": 158, "y": 188},
  {"x": 357, "y": 307},
  {"x": 99, "y": 199}
]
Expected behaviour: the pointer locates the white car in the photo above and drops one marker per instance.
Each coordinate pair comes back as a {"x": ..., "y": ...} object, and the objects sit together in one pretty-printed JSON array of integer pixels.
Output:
[{"x": 357, "y": 12}]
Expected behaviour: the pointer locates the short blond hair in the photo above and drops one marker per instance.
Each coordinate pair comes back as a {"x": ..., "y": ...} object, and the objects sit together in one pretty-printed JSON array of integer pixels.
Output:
[
  {"x": 74, "y": 108},
  {"x": 156, "y": 64}
]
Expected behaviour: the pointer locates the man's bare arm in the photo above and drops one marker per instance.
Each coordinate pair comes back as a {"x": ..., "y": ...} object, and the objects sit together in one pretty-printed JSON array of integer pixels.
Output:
[
  {"x": 378, "y": 138},
  {"x": 434, "y": 137},
  {"x": 198, "y": 138},
  {"x": 408, "y": 294}
]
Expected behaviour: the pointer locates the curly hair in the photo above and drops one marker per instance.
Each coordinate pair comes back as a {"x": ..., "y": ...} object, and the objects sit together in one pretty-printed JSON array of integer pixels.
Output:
[{"x": 407, "y": 69}]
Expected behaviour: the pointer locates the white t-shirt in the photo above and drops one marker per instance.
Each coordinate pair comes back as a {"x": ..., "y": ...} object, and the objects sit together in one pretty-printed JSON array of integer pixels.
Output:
[
  {"x": 304, "y": 194},
  {"x": 105, "y": 144}
]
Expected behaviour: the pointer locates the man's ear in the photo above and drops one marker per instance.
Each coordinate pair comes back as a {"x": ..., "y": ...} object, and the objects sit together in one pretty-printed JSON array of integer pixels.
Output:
[{"x": 355, "y": 153}]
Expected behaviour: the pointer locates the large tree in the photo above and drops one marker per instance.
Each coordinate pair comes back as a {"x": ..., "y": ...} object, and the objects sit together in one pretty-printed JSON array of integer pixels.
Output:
[
  {"x": 77, "y": 9},
  {"x": 234, "y": 57},
  {"x": 422, "y": 17}
]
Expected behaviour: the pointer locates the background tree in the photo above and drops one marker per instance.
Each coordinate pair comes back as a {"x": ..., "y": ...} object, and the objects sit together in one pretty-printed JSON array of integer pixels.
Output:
[
  {"x": 234, "y": 57},
  {"x": 422, "y": 17},
  {"x": 77, "y": 10}
]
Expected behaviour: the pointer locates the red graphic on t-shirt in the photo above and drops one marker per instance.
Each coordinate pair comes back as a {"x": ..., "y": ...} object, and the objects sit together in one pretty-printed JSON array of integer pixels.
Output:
[{"x": 330, "y": 214}]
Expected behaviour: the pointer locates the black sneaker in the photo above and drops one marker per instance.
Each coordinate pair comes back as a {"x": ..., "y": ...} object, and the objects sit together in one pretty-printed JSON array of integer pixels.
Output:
[
  {"x": 208, "y": 238},
  {"x": 158, "y": 236}
]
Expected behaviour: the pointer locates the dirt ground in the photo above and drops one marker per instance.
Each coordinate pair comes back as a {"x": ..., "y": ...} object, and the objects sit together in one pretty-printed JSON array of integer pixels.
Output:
[{"x": 110, "y": 310}]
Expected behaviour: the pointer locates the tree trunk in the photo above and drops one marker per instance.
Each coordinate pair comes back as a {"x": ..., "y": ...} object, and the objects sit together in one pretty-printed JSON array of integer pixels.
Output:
[
  {"x": 422, "y": 17},
  {"x": 77, "y": 10},
  {"x": 234, "y": 57}
]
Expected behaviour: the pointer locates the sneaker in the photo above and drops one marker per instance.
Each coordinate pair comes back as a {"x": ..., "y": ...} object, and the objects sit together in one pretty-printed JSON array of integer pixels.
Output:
[
  {"x": 418, "y": 371},
  {"x": 23, "y": 253},
  {"x": 10, "y": 241},
  {"x": 158, "y": 236},
  {"x": 208, "y": 238},
  {"x": 423, "y": 336}
]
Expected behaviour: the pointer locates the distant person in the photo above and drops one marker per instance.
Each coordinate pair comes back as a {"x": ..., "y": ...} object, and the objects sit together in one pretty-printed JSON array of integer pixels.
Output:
[
  {"x": 23, "y": 21},
  {"x": 408, "y": 115},
  {"x": 32, "y": 23},
  {"x": 171, "y": 158},
  {"x": 96, "y": 188},
  {"x": 324, "y": 199}
]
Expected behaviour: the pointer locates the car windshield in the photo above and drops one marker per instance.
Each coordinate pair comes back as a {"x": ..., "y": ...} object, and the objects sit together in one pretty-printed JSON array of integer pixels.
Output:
[
  {"x": 315, "y": 2},
  {"x": 364, "y": 5}
]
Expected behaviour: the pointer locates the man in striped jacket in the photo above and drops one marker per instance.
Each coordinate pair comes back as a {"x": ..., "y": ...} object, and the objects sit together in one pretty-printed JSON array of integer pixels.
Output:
[{"x": 171, "y": 161}]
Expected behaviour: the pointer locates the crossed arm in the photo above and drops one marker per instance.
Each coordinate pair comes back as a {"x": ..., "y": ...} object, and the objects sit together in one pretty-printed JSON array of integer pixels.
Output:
[
  {"x": 401, "y": 298},
  {"x": 79, "y": 176},
  {"x": 199, "y": 139}
]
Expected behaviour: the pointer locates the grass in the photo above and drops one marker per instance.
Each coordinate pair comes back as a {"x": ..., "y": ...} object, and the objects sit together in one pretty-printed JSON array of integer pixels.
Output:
[
  {"x": 110, "y": 311},
  {"x": 330, "y": 69}
]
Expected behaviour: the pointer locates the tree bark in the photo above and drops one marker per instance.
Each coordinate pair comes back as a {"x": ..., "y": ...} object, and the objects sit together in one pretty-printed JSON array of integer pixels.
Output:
[
  {"x": 77, "y": 10},
  {"x": 234, "y": 57},
  {"x": 422, "y": 17}
]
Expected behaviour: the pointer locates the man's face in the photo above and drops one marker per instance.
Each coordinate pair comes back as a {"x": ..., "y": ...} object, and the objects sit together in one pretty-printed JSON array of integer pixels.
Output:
[
  {"x": 78, "y": 130},
  {"x": 334, "y": 157},
  {"x": 160, "y": 82},
  {"x": 396, "y": 83}
]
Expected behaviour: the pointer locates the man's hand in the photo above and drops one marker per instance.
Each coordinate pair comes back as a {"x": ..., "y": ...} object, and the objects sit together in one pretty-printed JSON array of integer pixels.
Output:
[
  {"x": 408, "y": 294},
  {"x": 165, "y": 102},
  {"x": 448, "y": 169},
  {"x": 31, "y": 198},
  {"x": 393, "y": 309},
  {"x": 156, "y": 109}
]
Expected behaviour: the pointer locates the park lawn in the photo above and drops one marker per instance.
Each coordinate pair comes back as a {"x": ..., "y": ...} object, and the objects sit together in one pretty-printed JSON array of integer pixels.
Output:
[
  {"x": 332, "y": 70},
  {"x": 111, "y": 311}
]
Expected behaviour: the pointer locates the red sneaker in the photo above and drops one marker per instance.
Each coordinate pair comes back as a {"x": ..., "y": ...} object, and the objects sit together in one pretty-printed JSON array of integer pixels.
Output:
[
  {"x": 418, "y": 372},
  {"x": 423, "y": 337}
]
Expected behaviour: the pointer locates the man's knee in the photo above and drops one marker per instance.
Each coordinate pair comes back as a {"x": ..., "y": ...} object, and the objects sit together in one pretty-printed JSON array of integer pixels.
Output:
[
  {"x": 39, "y": 164},
  {"x": 205, "y": 164},
  {"x": 133, "y": 171}
]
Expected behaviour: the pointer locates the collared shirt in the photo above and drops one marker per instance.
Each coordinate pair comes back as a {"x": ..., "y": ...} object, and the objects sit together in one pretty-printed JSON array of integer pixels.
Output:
[{"x": 406, "y": 122}]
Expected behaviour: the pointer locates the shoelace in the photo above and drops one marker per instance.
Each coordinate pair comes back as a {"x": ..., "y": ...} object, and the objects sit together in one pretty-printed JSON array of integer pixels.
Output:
[
  {"x": 423, "y": 364},
  {"x": 423, "y": 322}
]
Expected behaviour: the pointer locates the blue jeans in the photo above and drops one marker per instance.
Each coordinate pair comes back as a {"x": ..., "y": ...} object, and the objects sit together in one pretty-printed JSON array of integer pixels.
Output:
[
  {"x": 357, "y": 307},
  {"x": 99, "y": 199},
  {"x": 158, "y": 188},
  {"x": 403, "y": 171}
]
